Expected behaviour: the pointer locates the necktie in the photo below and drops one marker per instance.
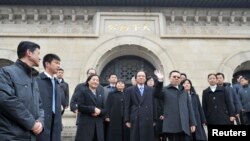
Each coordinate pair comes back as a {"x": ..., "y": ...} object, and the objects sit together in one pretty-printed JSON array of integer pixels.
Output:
[
  {"x": 53, "y": 95},
  {"x": 111, "y": 89},
  {"x": 141, "y": 90}
]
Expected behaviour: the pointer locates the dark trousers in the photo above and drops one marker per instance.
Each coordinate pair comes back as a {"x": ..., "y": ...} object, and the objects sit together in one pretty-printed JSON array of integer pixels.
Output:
[
  {"x": 161, "y": 137},
  {"x": 52, "y": 127},
  {"x": 105, "y": 126},
  {"x": 95, "y": 135},
  {"x": 178, "y": 137}
]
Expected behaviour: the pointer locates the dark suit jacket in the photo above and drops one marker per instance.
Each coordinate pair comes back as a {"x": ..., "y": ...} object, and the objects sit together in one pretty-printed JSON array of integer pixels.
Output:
[
  {"x": 140, "y": 112},
  {"x": 45, "y": 88},
  {"x": 64, "y": 86}
]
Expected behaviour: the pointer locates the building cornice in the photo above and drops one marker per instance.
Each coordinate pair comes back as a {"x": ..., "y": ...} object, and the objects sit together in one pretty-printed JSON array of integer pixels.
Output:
[{"x": 70, "y": 18}]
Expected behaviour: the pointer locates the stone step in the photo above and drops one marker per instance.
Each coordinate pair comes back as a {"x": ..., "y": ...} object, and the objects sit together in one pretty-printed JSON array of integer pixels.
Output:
[{"x": 68, "y": 133}]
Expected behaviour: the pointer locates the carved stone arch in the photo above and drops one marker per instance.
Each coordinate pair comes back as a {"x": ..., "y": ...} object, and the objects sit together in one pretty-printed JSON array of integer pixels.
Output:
[
  {"x": 129, "y": 45},
  {"x": 229, "y": 65},
  {"x": 5, "y": 62},
  {"x": 8, "y": 57}
]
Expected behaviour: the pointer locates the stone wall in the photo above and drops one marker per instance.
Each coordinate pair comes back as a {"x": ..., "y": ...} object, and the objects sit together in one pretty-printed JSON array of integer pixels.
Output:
[{"x": 195, "y": 41}]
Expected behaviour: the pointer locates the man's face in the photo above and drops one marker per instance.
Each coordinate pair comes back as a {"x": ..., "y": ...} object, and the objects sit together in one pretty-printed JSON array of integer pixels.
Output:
[
  {"x": 174, "y": 78},
  {"x": 243, "y": 81},
  {"x": 212, "y": 80},
  {"x": 91, "y": 72},
  {"x": 112, "y": 79},
  {"x": 53, "y": 66},
  {"x": 59, "y": 74},
  {"x": 220, "y": 79},
  {"x": 34, "y": 57},
  {"x": 182, "y": 77},
  {"x": 141, "y": 78}
]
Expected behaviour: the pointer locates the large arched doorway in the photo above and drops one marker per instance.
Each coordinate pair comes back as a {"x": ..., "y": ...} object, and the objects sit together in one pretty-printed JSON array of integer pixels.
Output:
[
  {"x": 125, "y": 68},
  {"x": 5, "y": 62},
  {"x": 242, "y": 69}
]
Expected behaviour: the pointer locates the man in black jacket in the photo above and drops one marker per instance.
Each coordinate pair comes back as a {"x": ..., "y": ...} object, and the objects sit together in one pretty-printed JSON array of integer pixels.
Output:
[
  {"x": 21, "y": 115},
  {"x": 64, "y": 86}
]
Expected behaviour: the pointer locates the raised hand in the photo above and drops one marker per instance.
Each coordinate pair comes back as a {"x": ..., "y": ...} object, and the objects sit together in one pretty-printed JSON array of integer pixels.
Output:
[{"x": 159, "y": 75}]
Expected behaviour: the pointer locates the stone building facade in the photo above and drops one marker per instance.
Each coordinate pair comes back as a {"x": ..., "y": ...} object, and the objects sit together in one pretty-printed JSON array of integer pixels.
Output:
[{"x": 196, "y": 41}]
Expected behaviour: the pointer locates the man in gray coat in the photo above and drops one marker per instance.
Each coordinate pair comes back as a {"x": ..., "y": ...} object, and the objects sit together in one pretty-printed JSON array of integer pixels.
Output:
[
  {"x": 21, "y": 115},
  {"x": 178, "y": 113}
]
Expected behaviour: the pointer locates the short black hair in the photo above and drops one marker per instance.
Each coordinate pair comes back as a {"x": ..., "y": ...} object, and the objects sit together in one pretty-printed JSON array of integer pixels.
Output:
[
  {"x": 60, "y": 69},
  {"x": 245, "y": 77},
  {"x": 210, "y": 74},
  {"x": 140, "y": 71},
  {"x": 219, "y": 73},
  {"x": 184, "y": 74},
  {"x": 49, "y": 58},
  {"x": 173, "y": 72},
  {"x": 91, "y": 69},
  {"x": 112, "y": 74},
  {"x": 24, "y": 46}
]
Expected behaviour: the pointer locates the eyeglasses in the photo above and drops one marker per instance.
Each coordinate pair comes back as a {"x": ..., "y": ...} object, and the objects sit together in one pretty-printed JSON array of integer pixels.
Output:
[{"x": 176, "y": 77}]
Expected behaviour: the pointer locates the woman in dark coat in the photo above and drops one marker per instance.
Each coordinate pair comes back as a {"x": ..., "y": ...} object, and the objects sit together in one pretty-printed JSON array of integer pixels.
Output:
[
  {"x": 91, "y": 110},
  {"x": 199, "y": 134},
  {"x": 115, "y": 113}
]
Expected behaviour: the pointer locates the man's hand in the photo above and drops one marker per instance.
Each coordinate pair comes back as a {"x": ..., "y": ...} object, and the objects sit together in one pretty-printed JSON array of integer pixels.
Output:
[
  {"x": 128, "y": 124},
  {"x": 161, "y": 117},
  {"x": 159, "y": 75},
  {"x": 37, "y": 128},
  {"x": 192, "y": 128},
  {"x": 232, "y": 119},
  {"x": 107, "y": 119},
  {"x": 76, "y": 111},
  {"x": 97, "y": 111}
]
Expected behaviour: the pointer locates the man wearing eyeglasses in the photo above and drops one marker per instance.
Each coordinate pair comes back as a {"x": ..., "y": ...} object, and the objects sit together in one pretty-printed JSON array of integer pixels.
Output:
[{"x": 179, "y": 121}]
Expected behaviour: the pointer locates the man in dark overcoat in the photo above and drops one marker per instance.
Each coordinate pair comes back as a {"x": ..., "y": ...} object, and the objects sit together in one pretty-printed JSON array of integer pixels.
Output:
[
  {"x": 140, "y": 113},
  {"x": 51, "y": 99},
  {"x": 217, "y": 103},
  {"x": 64, "y": 86}
]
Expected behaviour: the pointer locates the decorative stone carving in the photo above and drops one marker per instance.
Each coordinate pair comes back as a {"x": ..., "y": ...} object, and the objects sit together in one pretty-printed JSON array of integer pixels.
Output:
[
  {"x": 232, "y": 17},
  {"x": 61, "y": 16},
  {"x": 172, "y": 16},
  {"x": 36, "y": 16},
  {"x": 175, "y": 21},
  {"x": 208, "y": 17},
  {"x": 48, "y": 15},
  {"x": 196, "y": 17},
  {"x": 73, "y": 16},
  {"x": 220, "y": 17}
]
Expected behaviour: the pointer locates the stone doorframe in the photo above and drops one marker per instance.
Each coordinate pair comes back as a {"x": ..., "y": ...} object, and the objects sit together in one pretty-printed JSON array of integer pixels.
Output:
[
  {"x": 229, "y": 64},
  {"x": 8, "y": 54},
  {"x": 129, "y": 45}
]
